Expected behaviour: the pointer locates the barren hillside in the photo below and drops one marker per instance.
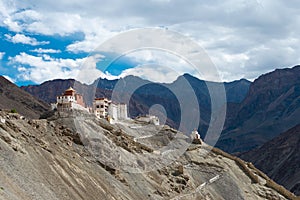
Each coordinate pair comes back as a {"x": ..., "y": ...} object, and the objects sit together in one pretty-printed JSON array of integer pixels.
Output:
[{"x": 75, "y": 156}]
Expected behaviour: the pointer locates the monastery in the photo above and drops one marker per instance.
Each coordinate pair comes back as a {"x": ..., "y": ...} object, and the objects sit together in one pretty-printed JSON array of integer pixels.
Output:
[
  {"x": 69, "y": 100},
  {"x": 102, "y": 107},
  {"x": 105, "y": 108}
]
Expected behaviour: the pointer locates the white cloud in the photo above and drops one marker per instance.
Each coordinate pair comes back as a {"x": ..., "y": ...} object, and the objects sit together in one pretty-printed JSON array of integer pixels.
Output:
[
  {"x": 41, "y": 68},
  {"x": 155, "y": 65},
  {"x": 158, "y": 66},
  {"x": 12, "y": 25},
  {"x": 45, "y": 68},
  {"x": 231, "y": 32},
  {"x": 40, "y": 50},
  {"x": 88, "y": 72},
  {"x": 1, "y": 55},
  {"x": 152, "y": 72},
  {"x": 23, "y": 39},
  {"x": 90, "y": 42},
  {"x": 7, "y": 10}
]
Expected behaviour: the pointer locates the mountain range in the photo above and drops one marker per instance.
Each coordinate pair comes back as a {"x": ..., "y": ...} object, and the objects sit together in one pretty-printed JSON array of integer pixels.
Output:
[
  {"x": 272, "y": 106},
  {"x": 256, "y": 111},
  {"x": 147, "y": 95},
  {"x": 280, "y": 159}
]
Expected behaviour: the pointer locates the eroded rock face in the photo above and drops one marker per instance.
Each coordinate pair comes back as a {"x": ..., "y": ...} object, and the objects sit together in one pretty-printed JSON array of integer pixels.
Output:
[{"x": 53, "y": 159}]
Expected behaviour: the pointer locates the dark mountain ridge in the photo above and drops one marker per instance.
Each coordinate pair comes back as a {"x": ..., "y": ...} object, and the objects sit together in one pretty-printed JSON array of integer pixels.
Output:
[
  {"x": 280, "y": 159},
  {"x": 12, "y": 97},
  {"x": 271, "y": 106}
]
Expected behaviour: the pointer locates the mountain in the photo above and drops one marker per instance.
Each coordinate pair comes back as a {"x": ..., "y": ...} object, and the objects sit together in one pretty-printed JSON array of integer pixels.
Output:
[
  {"x": 271, "y": 107},
  {"x": 147, "y": 95},
  {"x": 236, "y": 91},
  {"x": 49, "y": 90},
  {"x": 69, "y": 157},
  {"x": 280, "y": 159},
  {"x": 12, "y": 97}
]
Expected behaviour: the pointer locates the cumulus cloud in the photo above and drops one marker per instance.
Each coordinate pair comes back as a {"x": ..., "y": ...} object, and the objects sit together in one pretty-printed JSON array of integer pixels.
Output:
[
  {"x": 40, "y": 50},
  {"x": 7, "y": 10},
  {"x": 244, "y": 39},
  {"x": 90, "y": 42},
  {"x": 152, "y": 72},
  {"x": 158, "y": 66},
  {"x": 23, "y": 39},
  {"x": 41, "y": 68}
]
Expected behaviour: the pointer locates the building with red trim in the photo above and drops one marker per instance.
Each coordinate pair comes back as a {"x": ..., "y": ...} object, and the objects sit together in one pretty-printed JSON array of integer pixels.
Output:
[{"x": 69, "y": 100}]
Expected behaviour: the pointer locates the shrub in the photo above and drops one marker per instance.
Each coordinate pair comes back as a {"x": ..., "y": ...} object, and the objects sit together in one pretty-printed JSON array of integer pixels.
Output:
[
  {"x": 246, "y": 170},
  {"x": 13, "y": 110},
  {"x": 280, "y": 189},
  {"x": 258, "y": 172},
  {"x": 239, "y": 162},
  {"x": 269, "y": 182}
]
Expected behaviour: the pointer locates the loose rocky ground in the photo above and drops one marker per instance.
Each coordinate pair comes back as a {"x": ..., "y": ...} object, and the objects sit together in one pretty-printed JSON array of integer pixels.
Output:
[{"x": 75, "y": 156}]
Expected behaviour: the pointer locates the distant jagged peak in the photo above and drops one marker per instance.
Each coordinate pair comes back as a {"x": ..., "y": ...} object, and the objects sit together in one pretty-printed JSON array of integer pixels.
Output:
[{"x": 281, "y": 72}]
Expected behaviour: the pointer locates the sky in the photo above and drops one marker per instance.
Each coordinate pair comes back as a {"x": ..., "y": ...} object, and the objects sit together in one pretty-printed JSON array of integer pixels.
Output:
[{"x": 42, "y": 40}]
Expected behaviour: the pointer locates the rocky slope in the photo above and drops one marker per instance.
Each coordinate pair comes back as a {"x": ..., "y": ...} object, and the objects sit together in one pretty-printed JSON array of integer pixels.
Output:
[
  {"x": 280, "y": 159},
  {"x": 271, "y": 107},
  {"x": 12, "y": 97},
  {"x": 75, "y": 156}
]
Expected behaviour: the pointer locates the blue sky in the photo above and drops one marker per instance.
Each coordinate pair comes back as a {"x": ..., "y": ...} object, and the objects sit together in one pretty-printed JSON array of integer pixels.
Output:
[
  {"x": 43, "y": 40},
  {"x": 12, "y": 49}
]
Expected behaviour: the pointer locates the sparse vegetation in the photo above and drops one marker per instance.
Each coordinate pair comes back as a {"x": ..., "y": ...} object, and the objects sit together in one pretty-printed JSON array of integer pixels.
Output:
[
  {"x": 260, "y": 173},
  {"x": 280, "y": 189},
  {"x": 13, "y": 110},
  {"x": 269, "y": 182},
  {"x": 239, "y": 162},
  {"x": 245, "y": 169}
]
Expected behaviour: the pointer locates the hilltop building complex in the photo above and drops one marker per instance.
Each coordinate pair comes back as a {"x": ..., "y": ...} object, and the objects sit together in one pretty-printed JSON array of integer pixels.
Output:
[{"x": 102, "y": 107}]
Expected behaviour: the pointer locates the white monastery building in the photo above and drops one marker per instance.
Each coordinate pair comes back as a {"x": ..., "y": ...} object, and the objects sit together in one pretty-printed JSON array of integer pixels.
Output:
[
  {"x": 69, "y": 100},
  {"x": 104, "y": 108},
  {"x": 151, "y": 119}
]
